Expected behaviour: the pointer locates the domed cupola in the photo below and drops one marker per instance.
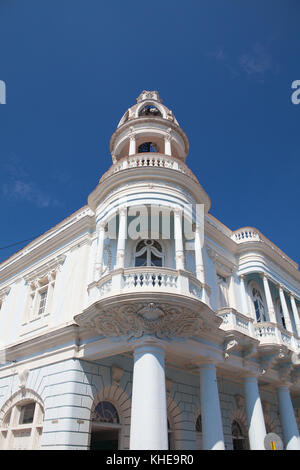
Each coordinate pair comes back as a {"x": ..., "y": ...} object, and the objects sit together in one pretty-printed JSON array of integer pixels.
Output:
[{"x": 149, "y": 126}]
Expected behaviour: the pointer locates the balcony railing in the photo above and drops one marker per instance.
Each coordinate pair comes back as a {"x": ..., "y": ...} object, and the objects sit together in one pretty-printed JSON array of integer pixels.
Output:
[
  {"x": 249, "y": 234},
  {"x": 245, "y": 235},
  {"x": 233, "y": 320},
  {"x": 149, "y": 159},
  {"x": 149, "y": 278},
  {"x": 268, "y": 334},
  {"x": 146, "y": 279}
]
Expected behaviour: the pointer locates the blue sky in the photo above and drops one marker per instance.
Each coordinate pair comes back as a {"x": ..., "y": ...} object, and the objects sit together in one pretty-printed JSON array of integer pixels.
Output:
[{"x": 224, "y": 67}]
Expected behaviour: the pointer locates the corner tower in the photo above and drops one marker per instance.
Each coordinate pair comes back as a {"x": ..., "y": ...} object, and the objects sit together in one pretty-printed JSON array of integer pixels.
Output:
[{"x": 149, "y": 126}]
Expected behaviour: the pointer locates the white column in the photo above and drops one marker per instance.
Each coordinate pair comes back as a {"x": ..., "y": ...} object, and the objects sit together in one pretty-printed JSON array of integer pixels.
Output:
[
  {"x": 295, "y": 313},
  {"x": 198, "y": 255},
  {"x": 269, "y": 300},
  {"x": 288, "y": 420},
  {"x": 231, "y": 292},
  {"x": 99, "y": 253},
  {"x": 122, "y": 235},
  {"x": 149, "y": 424},
  {"x": 179, "y": 253},
  {"x": 200, "y": 272},
  {"x": 256, "y": 423},
  {"x": 285, "y": 310},
  {"x": 212, "y": 429},
  {"x": 132, "y": 145},
  {"x": 245, "y": 307},
  {"x": 168, "y": 150}
]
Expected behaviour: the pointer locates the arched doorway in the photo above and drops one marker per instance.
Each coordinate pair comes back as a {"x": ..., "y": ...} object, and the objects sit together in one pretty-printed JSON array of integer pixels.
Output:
[{"x": 106, "y": 426}]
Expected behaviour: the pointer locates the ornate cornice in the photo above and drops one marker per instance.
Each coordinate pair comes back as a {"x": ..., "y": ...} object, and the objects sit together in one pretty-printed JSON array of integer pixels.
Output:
[{"x": 45, "y": 270}]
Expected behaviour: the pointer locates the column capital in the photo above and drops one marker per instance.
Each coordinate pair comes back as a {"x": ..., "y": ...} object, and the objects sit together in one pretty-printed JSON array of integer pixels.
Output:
[
  {"x": 178, "y": 211},
  {"x": 264, "y": 275},
  {"x": 149, "y": 343},
  {"x": 123, "y": 210},
  {"x": 206, "y": 364},
  {"x": 101, "y": 225}
]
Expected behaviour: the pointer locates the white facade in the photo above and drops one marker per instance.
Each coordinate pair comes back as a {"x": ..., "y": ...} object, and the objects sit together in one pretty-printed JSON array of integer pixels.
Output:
[{"x": 119, "y": 330}]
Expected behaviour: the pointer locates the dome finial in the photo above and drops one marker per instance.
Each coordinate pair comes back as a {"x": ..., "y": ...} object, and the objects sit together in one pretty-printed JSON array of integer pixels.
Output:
[{"x": 148, "y": 95}]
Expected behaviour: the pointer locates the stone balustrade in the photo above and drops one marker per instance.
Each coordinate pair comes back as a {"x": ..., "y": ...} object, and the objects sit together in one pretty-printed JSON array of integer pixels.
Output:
[
  {"x": 246, "y": 234},
  {"x": 233, "y": 320},
  {"x": 268, "y": 334},
  {"x": 249, "y": 234},
  {"x": 148, "y": 278},
  {"x": 271, "y": 333},
  {"x": 149, "y": 159},
  {"x": 145, "y": 279}
]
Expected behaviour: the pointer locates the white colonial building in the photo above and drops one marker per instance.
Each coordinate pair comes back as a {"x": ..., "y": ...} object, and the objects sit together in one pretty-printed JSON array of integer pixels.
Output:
[{"x": 142, "y": 322}]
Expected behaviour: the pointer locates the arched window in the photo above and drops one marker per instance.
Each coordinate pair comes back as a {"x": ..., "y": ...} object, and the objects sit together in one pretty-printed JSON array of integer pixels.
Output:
[
  {"x": 149, "y": 110},
  {"x": 148, "y": 253},
  {"x": 22, "y": 425},
  {"x": 239, "y": 441},
  {"x": 105, "y": 412},
  {"x": 148, "y": 147},
  {"x": 258, "y": 305},
  {"x": 106, "y": 427}
]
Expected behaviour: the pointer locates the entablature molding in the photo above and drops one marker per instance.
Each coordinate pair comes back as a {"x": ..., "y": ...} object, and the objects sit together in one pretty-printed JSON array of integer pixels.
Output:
[
  {"x": 54, "y": 345},
  {"x": 222, "y": 263},
  {"x": 46, "y": 270},
  {"x": 263, "y": 267},
  {"x": 3, "y": 294},
  {"x": 53, "y": 240},
  {"x": 155, "y": 175}
]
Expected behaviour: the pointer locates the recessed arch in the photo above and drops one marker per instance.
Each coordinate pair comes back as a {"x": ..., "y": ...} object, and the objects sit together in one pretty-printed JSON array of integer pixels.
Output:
[
  {"x": 258, "y": 301},
  {"x": 21, "y": 421},
  {"x": 150, "y": 103},
  {"x": 150, "y": 110},
  {"x": 270, "y": 423},
  {"x": 175, "y": 424},
  {"x": 239, "y": 429},
  {"x": 120, "y": 401}
]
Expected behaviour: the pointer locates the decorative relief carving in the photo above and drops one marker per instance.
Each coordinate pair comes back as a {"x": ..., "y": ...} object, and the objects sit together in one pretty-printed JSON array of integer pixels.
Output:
[
  {"x": 23, "y": 376},
  {"x": 46, "y": 270},
  {"x": 107, "y": 252},
  {"x": 229, "y": 345},
  {"x": 117, "y": 373},
  {"x": 240, "y": 401},
  {"x": 136, "y": 320}
]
